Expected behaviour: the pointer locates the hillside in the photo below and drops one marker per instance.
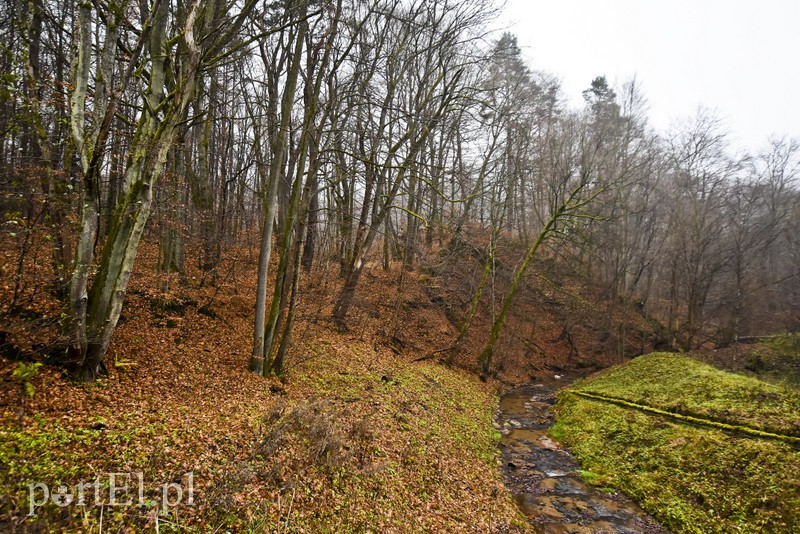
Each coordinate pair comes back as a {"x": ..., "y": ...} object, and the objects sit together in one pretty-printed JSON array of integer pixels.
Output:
[
  {"x": 356, "y": 434},
  {"x": 268, "y": 266},
  {"x": 367, "y": 429}
]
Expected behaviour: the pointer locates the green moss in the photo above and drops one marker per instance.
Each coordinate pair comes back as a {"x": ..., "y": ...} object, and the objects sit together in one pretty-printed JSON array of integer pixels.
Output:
[
  {"x": 680, "y": 384},
  {"x": 692, "y": 478}
]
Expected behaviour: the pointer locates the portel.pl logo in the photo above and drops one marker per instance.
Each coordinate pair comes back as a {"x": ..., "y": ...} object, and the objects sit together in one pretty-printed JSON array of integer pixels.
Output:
[{"x": 112, "y": 489}]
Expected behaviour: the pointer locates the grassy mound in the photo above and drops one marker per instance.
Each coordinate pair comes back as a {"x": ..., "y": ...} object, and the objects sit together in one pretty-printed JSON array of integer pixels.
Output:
[{"x": 692, "y": 477}]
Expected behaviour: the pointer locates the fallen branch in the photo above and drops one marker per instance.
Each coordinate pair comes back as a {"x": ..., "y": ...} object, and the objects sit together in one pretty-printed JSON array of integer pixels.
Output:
[{"x": 736, "y": 428}]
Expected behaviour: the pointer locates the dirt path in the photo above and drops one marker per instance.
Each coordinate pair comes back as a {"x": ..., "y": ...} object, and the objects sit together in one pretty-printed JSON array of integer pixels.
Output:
[{"x": 543, "y": 478}]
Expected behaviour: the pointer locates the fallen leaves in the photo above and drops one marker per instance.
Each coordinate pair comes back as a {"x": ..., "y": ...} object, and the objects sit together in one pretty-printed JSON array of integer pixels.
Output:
[{"x": 411, "y": 452}]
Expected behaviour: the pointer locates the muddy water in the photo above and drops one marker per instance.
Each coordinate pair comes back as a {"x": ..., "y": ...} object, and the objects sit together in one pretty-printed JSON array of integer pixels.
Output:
[{"x": 543, "y": 478}]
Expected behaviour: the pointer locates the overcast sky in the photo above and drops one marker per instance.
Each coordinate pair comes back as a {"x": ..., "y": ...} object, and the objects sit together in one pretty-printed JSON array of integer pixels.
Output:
[{"x": 739, "y": 57}]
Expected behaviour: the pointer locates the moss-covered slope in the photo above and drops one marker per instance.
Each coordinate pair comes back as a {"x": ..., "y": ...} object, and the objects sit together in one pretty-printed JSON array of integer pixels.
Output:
[{"x": 693, "y": 477}]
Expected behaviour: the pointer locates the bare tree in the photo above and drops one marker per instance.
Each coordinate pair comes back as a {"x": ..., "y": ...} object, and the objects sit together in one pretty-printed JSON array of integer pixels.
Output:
[
  {"x": 701, "y": 168},
  {"x": 421, "y": 40},
  {"x": 758, "y": 205},
  {"x": 573, "y": 185},
  {"x": 289, "y": 49}
]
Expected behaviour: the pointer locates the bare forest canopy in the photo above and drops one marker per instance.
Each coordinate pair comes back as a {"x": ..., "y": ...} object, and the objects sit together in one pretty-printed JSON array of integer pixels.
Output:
[{"x": 345, "y": 131}]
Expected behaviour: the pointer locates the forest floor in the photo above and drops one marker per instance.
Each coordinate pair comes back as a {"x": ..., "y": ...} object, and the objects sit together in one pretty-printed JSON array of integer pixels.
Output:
[
  {"x": 356, "y": 437},
  {"x": 367, "y": 431}
]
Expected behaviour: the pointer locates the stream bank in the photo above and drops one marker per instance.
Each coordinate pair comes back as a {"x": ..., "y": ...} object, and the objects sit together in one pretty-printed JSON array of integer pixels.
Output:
[{"x": 543, "y": 478}]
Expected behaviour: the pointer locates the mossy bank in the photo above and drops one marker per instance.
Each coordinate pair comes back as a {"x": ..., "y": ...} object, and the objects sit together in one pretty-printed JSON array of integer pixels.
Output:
[{"x": 685, "y": 440}]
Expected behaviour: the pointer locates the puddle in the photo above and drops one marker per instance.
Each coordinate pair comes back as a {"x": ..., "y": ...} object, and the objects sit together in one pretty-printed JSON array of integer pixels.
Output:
[{"x": 543, "y": 477}]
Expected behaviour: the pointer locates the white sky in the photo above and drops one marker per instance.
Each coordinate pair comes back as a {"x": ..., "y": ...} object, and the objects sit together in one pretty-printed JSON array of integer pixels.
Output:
[{"x": 738, "y": 57}]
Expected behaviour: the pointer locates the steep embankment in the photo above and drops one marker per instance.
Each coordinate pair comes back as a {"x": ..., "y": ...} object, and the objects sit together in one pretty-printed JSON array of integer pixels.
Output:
[
  {"x": 701, "y": 449},
  {"x": 558, "y": 320}
]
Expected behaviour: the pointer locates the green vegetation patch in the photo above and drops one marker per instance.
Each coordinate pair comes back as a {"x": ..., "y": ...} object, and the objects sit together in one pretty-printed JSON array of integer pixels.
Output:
[
  {"x": 777, "y": 359},
  {"x": 683, "y": 385},
  {"x": 692, "y": 478},
  {"x": 787, "y": 344}
]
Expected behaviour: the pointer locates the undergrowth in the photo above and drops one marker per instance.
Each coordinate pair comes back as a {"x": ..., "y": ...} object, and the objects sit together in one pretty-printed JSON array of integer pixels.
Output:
[
  {"x": 777, "y": 359},
  {"x": 373, "y": 448}
]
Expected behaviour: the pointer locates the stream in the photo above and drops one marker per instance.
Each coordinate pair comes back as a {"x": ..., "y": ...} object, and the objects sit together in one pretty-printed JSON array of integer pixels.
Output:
[{"x": 543, "y": 477}]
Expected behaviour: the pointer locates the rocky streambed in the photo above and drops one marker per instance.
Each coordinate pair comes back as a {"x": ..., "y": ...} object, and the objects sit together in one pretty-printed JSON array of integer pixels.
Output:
[{"x": 544, "y": 478}]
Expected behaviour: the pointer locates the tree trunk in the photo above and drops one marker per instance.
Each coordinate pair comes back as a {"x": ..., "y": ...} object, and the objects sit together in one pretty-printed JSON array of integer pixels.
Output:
[
  {"x": 96, "y": 311},
  {"x": 260, "y": 336}
]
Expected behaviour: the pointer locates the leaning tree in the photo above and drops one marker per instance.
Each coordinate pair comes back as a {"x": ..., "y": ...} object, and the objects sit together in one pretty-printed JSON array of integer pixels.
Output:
[{"x": 160, "y": 50}]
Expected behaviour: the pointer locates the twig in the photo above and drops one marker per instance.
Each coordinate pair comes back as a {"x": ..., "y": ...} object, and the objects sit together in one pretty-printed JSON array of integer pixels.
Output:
[
  {"x": 289, "y": 511},
  {"x": 432, "y": 354}
]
